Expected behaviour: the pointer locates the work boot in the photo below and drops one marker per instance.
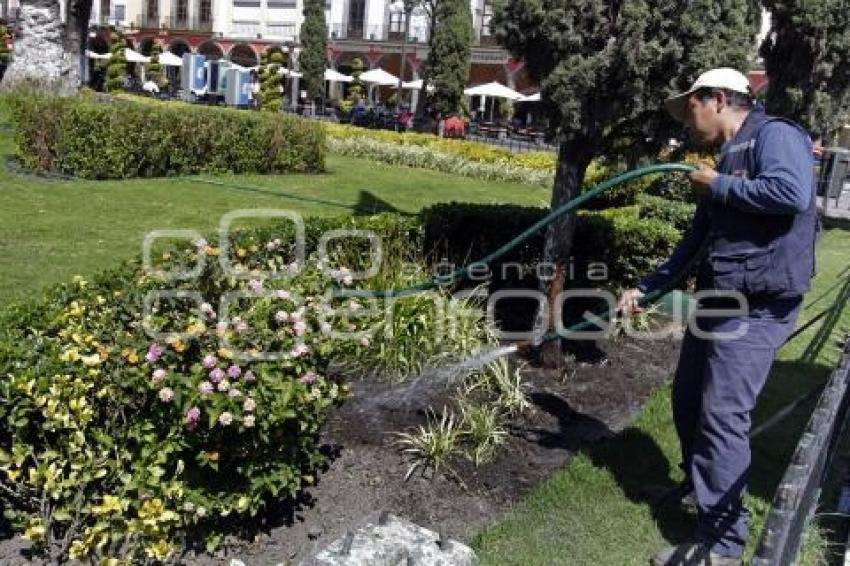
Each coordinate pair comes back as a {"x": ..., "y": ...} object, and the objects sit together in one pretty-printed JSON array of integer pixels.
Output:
[{"x": 692, "y": 554}]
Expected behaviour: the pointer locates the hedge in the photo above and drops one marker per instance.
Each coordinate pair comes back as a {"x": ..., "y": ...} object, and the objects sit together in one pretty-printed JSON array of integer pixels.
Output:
[{"x": 123, "y": 139}]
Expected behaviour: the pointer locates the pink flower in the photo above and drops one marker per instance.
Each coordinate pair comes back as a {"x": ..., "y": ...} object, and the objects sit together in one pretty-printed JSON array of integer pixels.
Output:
[
  {"x": 193, "y": 415},
  {"x": 158, "y": 376},
  {"x": 209, "y": 361},
  {"x": 225, "y": 418},
  {"x": 206, "y": 388},
  {"x": 154, "y": 353},
  {"x": 248, "y": 421},
  {"x": 249, "y": 377},
  {"x": 249, "y": 405},
  {"x": 300, "y": 328},
  {"x": 283, "y": 295},
  {"x": 234, "y": 371},
  {"x": 326, "y": 328},
  {"x": 216, "y": 375},
  {"x": 201, "y": 244},
  {"x": 255, "y": 285},
  {"x": 241, "y": 326},
  {"x": 223, "y": 386},
  {"x": 308, "y": 377},
  {"x": 281, "y": 316},
  {"x": 270, "y": 246},
  {"x": 221, "y": 326},
  {"x": 299, "y": 350},
  {"x": 235, "y": 394},
  {"x": 207, "y": 309},
  {"x": 166, "y": 394},
  {"x": 365, "y": 342}
]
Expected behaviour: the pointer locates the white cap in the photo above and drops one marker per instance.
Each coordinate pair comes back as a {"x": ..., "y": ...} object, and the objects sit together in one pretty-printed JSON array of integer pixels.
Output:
[{"x": 724, "y": 77}]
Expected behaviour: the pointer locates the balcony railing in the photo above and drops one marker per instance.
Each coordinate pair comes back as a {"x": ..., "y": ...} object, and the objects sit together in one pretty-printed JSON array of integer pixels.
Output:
[
  {"x": 280, "y": 30},
  {"x": 184, "y": 23},
  {"x": 246, "y": 29},
  {"x": 386, "y": 32},
  {"x": 148, "y": 21}
]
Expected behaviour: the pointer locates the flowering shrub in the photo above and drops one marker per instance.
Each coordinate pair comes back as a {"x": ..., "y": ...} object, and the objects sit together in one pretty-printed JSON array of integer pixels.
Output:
[{"x": 123, "y": 429}]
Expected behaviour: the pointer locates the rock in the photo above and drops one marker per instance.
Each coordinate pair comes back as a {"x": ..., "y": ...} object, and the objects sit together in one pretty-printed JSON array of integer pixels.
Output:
[
  {"x": 391, "y": 542},
  {"x": 235, "y": 562},
  {"x": 314, "y": 532}
]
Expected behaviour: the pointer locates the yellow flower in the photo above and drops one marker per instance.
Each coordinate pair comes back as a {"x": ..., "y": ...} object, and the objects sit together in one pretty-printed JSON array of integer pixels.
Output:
[
  {"x": 196, "y": 328},
  {"x": 82, "y": 283},
  {"x": 92, "y": 360},
  {"x": 161, "y": 550},
  {"x": 130, "y": 355},
  {"x": 13, "y": 475},
  {"x": 111, "y": 504},
  {"x": 241, "y": 252},
  {"x": 35, "y": 531},
  {"x": 209, "y": 250},
  {"x": 225, "y": 354},
  {"x": 151, "y": 508},
  {"x": 100, "y": 300},
  {"x": 76, "y": 309},
  {"x": 70, "y": 355},
  {"x": 175, "y": 343},
  {"x": 253, "y": 248},
  {"x": 79, "y": 550},
  {"x": 116, "y": 293},
  {"x": 166, "y": 256}
]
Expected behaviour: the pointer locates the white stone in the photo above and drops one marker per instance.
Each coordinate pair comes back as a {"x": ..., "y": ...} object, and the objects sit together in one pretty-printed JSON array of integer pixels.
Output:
[{"x": 396, "y": 542}]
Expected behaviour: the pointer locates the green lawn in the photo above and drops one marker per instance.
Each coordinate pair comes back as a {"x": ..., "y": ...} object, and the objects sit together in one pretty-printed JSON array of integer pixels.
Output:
[
  {"x": 593, "y": 513},
  {"x": 51, "y": 229}
]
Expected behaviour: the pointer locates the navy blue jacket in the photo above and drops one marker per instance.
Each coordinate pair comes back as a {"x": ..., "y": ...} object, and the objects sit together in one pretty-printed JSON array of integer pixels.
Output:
[{"x": 759, "y": 221}]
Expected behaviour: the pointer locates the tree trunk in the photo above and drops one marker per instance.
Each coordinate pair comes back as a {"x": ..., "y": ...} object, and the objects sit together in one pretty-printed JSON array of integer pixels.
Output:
[
  {"x": 49, "y": 52},
  {"x": 573, "y": 159}
]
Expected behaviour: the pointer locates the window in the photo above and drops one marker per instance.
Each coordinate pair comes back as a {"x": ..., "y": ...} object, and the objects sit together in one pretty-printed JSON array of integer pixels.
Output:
[
  {"x": 181, "y": 11},
  {"x": 282, "y": 3},
  {"x": 486, "y": 16},
  {"x": 246, "y": 3},
  {"x": 205, "y": 12},
  {"x": 396, "y": 22},
  {"x": 119, "y": 12},
  {"x": 356, "y": 15}
]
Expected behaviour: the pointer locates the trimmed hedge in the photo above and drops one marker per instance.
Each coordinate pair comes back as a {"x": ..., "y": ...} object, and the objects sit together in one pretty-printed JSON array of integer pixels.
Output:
[{"x": 121, "y": 139}]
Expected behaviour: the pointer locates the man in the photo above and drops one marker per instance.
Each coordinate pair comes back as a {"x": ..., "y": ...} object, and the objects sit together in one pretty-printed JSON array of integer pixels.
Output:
[{"x": 755, "y": 223}]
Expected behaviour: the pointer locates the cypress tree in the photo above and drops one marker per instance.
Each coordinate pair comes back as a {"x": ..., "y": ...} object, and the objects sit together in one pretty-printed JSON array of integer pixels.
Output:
[
  {"x": 605, "y": 69},
  {"x": 314, "y": 43},
  {"x": 449, "y": 54},
  {"x": 807, "y": 60},
  {"x": 116, "y": 70}
]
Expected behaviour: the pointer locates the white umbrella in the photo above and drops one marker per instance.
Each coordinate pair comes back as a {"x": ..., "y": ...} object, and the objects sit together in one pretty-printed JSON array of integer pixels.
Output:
[
  {"x": 169, "y": 59},
  {"x": 93, "y": 55},
  {"x": 494, "y": 89},
  {"x": 379, "y": 77},
  {"x": 530, "y": 98},
  {"x": 416, "y": 85},
  {"x": 336, "y": 76},
  {"x": 135, "y": 57}
]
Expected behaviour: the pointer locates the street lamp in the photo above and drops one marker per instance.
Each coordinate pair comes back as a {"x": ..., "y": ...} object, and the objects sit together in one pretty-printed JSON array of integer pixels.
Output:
[{"x": 403, "y": 7}]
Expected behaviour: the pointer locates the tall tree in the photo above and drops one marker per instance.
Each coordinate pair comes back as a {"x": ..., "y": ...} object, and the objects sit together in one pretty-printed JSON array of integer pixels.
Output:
[
  {"x": 807, "y": 60},
  {"x": 314, "y": 43},
  {"x": 604, "y": 69},
  {"x": 449, "y": 54},
  {"x": 47, "y": 50}
]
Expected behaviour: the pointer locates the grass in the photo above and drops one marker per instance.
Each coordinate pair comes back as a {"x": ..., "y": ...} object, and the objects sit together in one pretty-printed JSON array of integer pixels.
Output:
[
  {"x": 53, "y": 229},
  {"x": 593, "y": 511}
]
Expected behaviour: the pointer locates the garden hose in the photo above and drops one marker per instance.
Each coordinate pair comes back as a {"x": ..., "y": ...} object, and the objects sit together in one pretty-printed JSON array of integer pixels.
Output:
[{"x": 460, "y": 274}]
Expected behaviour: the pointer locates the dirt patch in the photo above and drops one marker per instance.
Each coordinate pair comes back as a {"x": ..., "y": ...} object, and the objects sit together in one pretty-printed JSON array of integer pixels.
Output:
[{"x": 571, "y": 411}]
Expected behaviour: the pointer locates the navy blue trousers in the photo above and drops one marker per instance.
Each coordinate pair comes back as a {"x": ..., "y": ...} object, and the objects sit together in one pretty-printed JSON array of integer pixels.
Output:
[{"x": 715, "y": 389}]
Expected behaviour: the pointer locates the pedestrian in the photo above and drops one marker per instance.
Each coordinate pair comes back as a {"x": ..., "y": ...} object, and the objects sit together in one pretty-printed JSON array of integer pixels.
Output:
[
  {"x": 755, "y": 223},
  {"x": 256, "y": 97}
]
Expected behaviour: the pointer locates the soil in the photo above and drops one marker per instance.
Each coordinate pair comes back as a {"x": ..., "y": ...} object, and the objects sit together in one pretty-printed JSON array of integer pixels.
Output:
[{"x": 598, "y": 394}]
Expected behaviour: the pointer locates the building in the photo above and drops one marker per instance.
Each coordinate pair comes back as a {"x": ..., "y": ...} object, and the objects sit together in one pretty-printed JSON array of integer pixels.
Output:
[{"x": 242, "y": 30}]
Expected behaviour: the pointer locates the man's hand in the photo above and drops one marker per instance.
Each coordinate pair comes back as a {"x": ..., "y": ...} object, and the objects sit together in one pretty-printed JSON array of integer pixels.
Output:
[
  {"x": 629, "y": 302},
  {"x": 701, "y": 179}
]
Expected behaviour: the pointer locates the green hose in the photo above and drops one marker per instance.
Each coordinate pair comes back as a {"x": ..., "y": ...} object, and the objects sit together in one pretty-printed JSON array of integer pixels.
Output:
[{"x": 460, "y": 274}]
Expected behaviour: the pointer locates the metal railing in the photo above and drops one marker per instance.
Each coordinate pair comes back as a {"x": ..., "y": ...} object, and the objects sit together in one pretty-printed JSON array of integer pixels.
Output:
[
  {"x": 799, "y": 491},
  {"x": 148, "y": 21},
  {"x": 379, "y": 32},
  {"x": 280, "y": 30}
]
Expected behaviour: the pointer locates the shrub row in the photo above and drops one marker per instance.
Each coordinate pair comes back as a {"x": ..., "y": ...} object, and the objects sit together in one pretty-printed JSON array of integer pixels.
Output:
[{"x": 123, "y": 139}]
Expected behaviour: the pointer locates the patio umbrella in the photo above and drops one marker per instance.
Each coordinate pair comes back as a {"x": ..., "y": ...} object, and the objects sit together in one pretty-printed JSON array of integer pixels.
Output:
[
  {"x": 336, "y": 77},
  {"x": 135, "y": 56},
  {"x": 530, "y": 98},
  {"x": 494, "y": 89},
  {"x": 379, "y": 77},
  {"x": 169, "y": 59},
  {"x": 416, "y": 85},
  {"x": 93, "y": 55}
]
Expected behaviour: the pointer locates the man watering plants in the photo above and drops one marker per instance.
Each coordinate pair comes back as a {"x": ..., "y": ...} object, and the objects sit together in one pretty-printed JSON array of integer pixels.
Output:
[{"x": 755, "y": 228}]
